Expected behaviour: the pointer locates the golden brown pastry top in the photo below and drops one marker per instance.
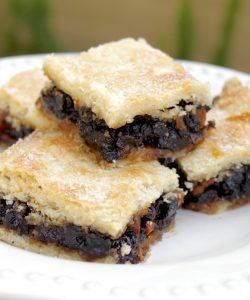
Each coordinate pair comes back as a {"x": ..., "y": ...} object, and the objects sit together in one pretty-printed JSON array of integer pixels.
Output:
[
  {"x": 123, "y": 79},
  {"x": 228, "y": 145},
  {"x": 59, "y": 176},
  {"x": 233, "y": 100},
  {"x": 18, "y": 99}
]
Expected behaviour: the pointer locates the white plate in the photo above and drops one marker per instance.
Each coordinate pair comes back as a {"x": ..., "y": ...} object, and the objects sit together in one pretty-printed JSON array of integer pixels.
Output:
[{"x": 205, "y": 257}]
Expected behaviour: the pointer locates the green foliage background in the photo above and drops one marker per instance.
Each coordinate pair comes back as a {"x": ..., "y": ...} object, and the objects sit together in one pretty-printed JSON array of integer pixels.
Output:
[
  {"x": 29, "y": 31},
  {"x": 31, "y": 17},
  {"x": 186, "y": 31}
]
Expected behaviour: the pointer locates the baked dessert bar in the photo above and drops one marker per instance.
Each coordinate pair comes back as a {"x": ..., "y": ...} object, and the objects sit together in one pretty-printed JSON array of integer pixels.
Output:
[
  {"x": 218, "y": 170},
  {"x": 234, "y": 100},
  {"x": 58, "y": 199},
  {"x": 127, "y": 95},
  {"x": 18, "y": 112}
]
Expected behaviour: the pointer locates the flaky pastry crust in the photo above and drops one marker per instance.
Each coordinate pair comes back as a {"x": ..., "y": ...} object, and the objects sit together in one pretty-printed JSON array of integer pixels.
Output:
[
  {"x": 60, "y": 177},
  {"x": 227, "y": 145},
  {"x": 18, "y": 99},
  {"x": 123, "y": 79}
]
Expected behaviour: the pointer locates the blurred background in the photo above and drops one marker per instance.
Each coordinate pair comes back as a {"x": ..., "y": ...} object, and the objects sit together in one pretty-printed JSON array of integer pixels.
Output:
[{"x": 214, "y": 31}]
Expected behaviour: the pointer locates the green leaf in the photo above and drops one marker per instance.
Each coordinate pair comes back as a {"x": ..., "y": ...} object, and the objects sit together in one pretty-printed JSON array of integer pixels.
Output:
[
  {"x": 229, "y": 24},
  {"x": 28, "y": 29},
  {"x": 185, "y": 30}
]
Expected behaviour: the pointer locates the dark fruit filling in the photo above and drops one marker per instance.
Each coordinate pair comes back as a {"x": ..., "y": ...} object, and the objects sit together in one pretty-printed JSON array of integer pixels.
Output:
[
  {"x": 145, "y": 130},
  {"x": 235, "y": 186},
  {"x": 168, "y": 162},
  {"x": 10, "y": 134},
  {"x": 90, "y": 243}
]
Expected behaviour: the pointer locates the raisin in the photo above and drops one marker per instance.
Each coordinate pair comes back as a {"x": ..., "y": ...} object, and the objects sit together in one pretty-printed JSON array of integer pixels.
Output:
[
  {"x": 173, "y": 141},
  {"x": 161, "y": 129},
  {"x": 192, "y": 122},
  {"x": 234, "y": 186},
  {"x": 14, "y": 221},
  {"x": 208, "y": 196},
  {"x": 172, "y": 208},
  {"x": 3, "y": 209},
  {"x": 144, "y": 130},
  {"x": 92, "y": 244},
  {"x": 74, "y": 237},
  {"x": 15, "y": 132},
  {"x": 129, "y": 239},
  {"x": 50, "y": 234},
  {"x": 168, "y": 162},
  {"x": 59, "y": 103},
  {"x": 246, "y": 187},
  {"x": 97, "y": 245}
]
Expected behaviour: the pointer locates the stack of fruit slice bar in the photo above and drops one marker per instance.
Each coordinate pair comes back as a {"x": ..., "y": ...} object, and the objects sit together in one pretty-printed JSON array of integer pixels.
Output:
[{"x": 83, "y": 180}]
